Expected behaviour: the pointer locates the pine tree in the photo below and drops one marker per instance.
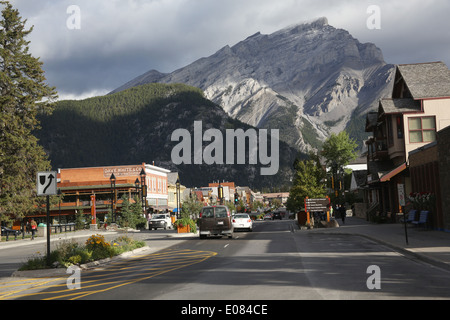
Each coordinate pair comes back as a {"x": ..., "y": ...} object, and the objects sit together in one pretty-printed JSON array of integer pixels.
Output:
[
  {"x": 24, "y": 94},
  {"x": 308, "y": 182}
]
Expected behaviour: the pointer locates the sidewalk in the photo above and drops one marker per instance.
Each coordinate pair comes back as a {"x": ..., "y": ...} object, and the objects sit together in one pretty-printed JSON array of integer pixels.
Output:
[
  {"x": 78, "y": 234},
  {"x": 426, "y": 245},
  {"x": 53, "y": 237}
]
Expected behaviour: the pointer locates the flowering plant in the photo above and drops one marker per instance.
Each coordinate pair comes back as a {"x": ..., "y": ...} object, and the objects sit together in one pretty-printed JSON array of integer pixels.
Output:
[
  {"x": 97, "y": 242},
  {"x": 422, "y": 200}
]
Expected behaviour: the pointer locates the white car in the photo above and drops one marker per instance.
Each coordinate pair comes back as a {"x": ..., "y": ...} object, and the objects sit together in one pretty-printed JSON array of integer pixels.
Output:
[
  {"x": 242, "y": 221},
  {"x": 160, "y": 220}
]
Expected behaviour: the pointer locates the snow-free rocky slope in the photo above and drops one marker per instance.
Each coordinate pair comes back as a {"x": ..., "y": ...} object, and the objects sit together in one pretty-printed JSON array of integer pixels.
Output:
[{"x": 307, "y": 80}]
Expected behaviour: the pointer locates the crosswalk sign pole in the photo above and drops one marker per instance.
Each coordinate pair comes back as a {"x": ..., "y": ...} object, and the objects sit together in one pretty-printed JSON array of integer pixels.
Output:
[
  {"x": 46, "y": 185},
  {"x": 48, "y": 230}
]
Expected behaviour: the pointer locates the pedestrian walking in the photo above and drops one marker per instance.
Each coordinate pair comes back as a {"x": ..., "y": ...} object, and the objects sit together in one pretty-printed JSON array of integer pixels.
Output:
[
  {"x": 33, "y": 229},
  {"x": 343, "y": 212}
]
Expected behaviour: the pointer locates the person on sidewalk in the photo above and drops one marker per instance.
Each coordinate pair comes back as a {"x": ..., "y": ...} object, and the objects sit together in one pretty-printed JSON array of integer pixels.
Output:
[
  {"x": 33, "y": 229},
  {"x": 343, "y": 213}
]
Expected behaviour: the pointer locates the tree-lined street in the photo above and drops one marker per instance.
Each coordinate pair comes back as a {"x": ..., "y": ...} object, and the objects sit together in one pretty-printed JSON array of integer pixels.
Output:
[
  {"x": 275, "y": 262},
  {"x": 221, "y": 186}
]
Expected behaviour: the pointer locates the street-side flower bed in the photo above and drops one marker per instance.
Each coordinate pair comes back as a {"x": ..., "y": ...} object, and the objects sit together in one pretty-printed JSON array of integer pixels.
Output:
[{"x": 70, "y": 253}]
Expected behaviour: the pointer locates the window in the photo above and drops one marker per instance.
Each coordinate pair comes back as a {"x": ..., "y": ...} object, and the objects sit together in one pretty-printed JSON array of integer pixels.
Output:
[
  {"x": 208, "y": 213},
  {"x": 399, "y": 127},
  {"x": 221, "y": 212},
  {"x": 390, "y": 131},
  {"x": 422, "y": 129}
]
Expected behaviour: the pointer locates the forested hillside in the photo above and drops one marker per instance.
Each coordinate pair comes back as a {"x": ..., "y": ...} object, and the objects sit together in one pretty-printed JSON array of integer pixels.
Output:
[{"x": 135, "y": 126}]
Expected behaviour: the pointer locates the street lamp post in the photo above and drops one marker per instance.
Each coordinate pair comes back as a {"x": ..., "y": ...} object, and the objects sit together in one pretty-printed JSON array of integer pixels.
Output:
[
  {"x": 220, "y": 194},
  {"x": 178, "y": 197},
  {"x": 59, "y": 214},
  {"x": 113, "y": 192},
  {"x": 137, "y": 186},
  {"x": 144, "y": 190}
]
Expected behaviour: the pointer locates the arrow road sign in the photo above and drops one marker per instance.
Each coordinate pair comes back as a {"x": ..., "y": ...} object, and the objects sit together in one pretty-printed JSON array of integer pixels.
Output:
[{"x": 46, "y": 183}]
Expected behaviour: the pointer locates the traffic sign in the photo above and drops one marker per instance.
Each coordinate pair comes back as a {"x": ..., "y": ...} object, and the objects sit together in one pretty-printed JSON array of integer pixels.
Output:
[{"x": 46, "y": 183}]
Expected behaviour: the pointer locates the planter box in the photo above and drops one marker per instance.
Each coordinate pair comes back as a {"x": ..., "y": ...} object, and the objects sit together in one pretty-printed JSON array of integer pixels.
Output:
[{"x": 185, "y": 229}]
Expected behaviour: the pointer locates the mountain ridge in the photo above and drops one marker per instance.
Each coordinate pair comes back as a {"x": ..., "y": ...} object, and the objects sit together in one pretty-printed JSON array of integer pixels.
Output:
[
  {"x": 136, "y": 125},
  {"x": 321, "y": 73}
]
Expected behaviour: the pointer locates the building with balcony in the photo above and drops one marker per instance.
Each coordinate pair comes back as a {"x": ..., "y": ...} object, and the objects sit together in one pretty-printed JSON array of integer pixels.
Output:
[
  {"x": 410, "y": 119},
  {"x": 99, "y": 192}
]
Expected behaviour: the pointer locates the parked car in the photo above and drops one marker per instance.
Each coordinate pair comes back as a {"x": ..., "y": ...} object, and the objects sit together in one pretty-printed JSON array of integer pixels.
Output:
[
  {"x": 160, "y": 220},
  {"x": 215, "y": 221},
  {"x": 242, "y": 221},
  {"x": 276, "y": 215},
  {"x": 268, "y": 216}
]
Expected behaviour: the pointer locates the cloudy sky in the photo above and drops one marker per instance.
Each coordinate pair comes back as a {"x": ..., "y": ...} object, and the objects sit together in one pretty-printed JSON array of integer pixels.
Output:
[{"x": 105, "y": 43}]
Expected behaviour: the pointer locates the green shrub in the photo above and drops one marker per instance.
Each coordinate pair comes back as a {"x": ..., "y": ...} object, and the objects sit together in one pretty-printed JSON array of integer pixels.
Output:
[
  {"x": 75, "y": 259},
  {"x": 34, "y": 263},
  {"x": 68, "y": 253}
]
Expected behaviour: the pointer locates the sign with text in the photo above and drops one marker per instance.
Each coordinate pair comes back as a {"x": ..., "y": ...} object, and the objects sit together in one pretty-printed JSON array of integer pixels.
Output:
[
  {"x": 317, "y": 205},
  {"x": 124, "y": 171}
]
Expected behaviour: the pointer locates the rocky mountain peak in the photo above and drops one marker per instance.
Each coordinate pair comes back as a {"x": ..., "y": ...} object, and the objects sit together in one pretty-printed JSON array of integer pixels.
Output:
[
  {"x": 318, "y": 23},
  {"x": 306, "y": 79}
]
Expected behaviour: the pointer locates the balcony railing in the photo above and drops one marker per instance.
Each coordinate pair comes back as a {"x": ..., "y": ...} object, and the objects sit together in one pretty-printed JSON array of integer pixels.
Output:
[{"x": 378, "y": 150}]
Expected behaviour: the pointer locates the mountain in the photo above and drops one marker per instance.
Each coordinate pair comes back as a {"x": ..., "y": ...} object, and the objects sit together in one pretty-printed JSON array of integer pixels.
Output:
[
  {"x": 307, "y": 80},
  {"x": 137, "y": 125}
]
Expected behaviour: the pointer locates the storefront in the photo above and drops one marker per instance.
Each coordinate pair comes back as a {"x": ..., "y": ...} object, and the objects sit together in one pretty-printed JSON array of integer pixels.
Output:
[{"x": 98, "y": 193}]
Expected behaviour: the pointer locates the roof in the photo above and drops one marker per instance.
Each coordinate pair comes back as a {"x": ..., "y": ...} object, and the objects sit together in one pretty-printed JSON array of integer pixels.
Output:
[
  {"x": 172, "y": 177},
  {"x": 371, "y": 121},
  {"x": 392, "y": 106},
  {"x": 388, "y": 176},
  {"x": 360, "y": 177},
  {"x": 426, "y": 80},
  {"x": 378, "y": 169}
]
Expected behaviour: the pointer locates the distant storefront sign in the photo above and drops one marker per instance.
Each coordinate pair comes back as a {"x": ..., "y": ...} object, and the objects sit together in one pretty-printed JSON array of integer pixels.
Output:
[{"x": 122, "y": 171}]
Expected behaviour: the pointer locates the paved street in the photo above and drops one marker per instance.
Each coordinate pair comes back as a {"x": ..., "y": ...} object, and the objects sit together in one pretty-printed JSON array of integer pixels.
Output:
[{"x": 275, "y": 262}]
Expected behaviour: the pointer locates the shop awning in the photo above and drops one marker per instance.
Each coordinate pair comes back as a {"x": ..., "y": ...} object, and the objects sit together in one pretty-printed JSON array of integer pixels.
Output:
[{"x": 388, "y": 176}]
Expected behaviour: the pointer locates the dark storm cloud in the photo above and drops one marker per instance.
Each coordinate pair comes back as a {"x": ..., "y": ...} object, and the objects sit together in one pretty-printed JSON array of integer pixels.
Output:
[{"x": 121, "y": 39}]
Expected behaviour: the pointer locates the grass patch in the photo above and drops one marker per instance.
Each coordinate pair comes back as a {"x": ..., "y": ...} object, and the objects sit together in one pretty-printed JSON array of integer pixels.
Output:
[{"x": 70, "y": 253}]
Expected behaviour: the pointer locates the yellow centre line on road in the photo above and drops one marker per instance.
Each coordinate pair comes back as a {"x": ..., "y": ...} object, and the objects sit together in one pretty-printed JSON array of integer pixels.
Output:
[
  {"x": 133, "y": 270},
  {"x": 24, "y": 285}
]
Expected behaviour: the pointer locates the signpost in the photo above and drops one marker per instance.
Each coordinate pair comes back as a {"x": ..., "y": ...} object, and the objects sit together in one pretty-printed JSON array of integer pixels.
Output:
[
  {"x": 317, "y": 205},
  {"x": 46, "y": 186},
  {"x": 93, "y": 213},
  {"x": 402, "y": 203}
]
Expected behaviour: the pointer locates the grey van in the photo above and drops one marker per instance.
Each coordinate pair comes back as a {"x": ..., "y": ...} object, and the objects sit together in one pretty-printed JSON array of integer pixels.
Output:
[{"x": 215, "y": 221}]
